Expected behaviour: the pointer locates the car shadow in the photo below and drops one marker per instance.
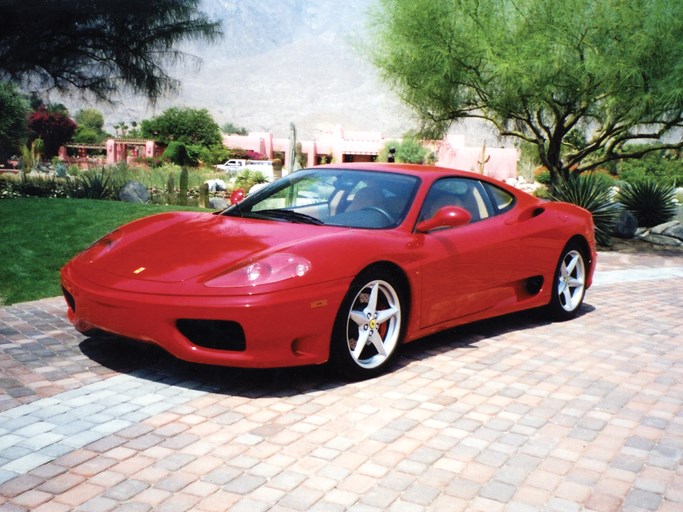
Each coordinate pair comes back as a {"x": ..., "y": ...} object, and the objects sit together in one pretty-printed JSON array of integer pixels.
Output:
[
  {"x": 465, "y": 336},
  {"x": 152, "y": 363}
]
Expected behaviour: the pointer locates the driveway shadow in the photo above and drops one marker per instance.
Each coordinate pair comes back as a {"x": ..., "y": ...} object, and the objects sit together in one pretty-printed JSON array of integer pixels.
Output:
[{"x": 150, "y": 362}]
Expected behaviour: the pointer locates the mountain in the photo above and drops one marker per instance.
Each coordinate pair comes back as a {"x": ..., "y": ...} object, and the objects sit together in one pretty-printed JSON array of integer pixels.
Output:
[
  {"x": 293, "y": 61},
  {"x": 284, "y": 61},
  {"x": 280, "y": 61}
]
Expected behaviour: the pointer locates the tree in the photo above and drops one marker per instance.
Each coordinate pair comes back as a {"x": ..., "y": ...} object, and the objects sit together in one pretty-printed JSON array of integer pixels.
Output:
[
  {"x": 408, "y": 150},
  {"x": 578, "y": 79},
  {"x": 54, "y": 128},
  {"x": 90, "y": 118},
  {"x": 231, "y": 128},
  {"x": 14, "y": 110},
  {"x": 90, "y": 126},
  {"x": 99, "y": 46},
  {"x": 187, "y": 125}
]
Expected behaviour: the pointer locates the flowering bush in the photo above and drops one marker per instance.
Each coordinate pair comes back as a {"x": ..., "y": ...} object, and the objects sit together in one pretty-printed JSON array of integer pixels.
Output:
[
  {"x": 103, "y": 182},
  {"x": 34, "y": 186}
]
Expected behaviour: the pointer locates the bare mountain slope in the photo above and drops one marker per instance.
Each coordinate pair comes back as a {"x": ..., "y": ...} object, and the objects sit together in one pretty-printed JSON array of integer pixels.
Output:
[
  {"x": 280, "y": 61},
  {"x": 283, "y": 61}
]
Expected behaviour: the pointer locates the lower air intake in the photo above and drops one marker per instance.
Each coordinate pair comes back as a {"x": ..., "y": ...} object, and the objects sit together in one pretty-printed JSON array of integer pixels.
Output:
[{"x": 215, "y": 334}]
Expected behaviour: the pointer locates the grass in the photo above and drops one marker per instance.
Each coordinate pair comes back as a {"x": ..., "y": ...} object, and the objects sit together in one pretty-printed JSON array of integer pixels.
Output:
[{"x": 38, "y": 236}]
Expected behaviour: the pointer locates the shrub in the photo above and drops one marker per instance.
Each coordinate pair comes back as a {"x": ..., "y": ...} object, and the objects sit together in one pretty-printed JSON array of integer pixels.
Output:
[
  {"x": 542, "y": 175},
  {"x": 216, "y": 154},
  {"x": 658, "y": 166},
  {"x": 604, "y": 176},
  {"x": 39, "y": 186},
  {"x": 595, "y": 195},
  {"x": 542, "y": 192},
  {"x": 651, "y": 202},
  {"x": 247, "y": 178},
  {"x": 42, "y": 185},
  {"x": 178, "y": 153},
  {"x": 408, "y": 150},
  {"x": 96, "y": 184},
  {"x": 151, "y": 162}
]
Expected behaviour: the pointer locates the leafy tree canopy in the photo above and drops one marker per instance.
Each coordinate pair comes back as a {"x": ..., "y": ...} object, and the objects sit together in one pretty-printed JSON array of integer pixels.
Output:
[
  {"x": 54, "y": 128},
  {"x": 578, "y": 79},
  {"x": 187, "y": 125},
  {"x": 14, "y": 110},
  {"x": 90, "y": 118},
  {"x": 230, "y": 128},
  {"x": 407, "y": 150},
  {"x": 90, "y": 126},
  {"x": 99, "y": 46}
]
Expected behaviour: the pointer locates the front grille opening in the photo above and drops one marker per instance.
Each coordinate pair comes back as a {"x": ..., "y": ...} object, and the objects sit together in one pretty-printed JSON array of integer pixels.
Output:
[
  {"x": 69, "y": 299},
  {"x": 215, "y": 334}
]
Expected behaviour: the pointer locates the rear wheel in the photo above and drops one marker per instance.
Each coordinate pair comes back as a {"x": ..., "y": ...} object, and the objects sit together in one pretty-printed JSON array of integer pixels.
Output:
[
  {"x": 368, "y": 328},
  {"x": 569, "y": 284}
]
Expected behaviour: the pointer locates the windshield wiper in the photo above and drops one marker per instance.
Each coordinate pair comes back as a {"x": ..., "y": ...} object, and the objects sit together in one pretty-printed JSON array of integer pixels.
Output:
[{"x": 290, "y": 216}]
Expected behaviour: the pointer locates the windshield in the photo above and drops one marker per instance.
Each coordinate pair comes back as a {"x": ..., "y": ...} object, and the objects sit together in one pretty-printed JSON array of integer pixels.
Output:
[{"x": 333, "y": 197}]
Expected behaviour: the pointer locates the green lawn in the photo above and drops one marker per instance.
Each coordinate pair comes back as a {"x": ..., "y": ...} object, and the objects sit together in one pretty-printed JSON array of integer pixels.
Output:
[{"x": 38, "y": 236}]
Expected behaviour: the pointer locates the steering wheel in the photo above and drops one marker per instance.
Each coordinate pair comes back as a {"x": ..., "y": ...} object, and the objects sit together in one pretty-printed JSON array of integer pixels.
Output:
[{"x": 382, "y": 212}]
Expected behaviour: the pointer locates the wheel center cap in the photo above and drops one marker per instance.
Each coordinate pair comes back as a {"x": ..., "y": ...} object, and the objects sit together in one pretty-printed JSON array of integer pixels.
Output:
[{"x": 373, "y": 323}]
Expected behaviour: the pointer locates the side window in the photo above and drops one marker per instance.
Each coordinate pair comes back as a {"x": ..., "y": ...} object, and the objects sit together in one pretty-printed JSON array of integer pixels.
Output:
[
  {"x": 463, "y": 192},
  {"x": 501, "y": 199}
]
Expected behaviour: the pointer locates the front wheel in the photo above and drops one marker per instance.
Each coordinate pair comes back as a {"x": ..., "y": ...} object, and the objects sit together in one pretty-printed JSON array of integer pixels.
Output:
[
  {"x": 569, "y": 284},
  {"x": 368, "y": 328}
]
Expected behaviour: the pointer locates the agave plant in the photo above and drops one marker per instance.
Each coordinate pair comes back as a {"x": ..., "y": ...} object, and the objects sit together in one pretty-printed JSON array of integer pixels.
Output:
[
  {"x": 595, "y": 195},
  {"x": 248, "y": 178},
  {"x": 651, "y": 202},
  {"x": 95, "y": 185}
]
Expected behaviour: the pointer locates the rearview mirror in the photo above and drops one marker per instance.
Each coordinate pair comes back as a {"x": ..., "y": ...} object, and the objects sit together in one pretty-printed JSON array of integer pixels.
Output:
[{"x": 446, "y": 217}]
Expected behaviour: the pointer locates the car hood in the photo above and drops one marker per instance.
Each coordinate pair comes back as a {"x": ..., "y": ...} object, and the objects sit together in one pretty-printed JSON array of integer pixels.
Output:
[{"x": 183, "y": 246}]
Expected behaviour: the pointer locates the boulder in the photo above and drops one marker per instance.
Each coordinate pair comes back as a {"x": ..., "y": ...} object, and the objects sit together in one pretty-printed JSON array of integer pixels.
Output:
[
  {"x": 661, "y": 228},
  {"x": 216, "y": 185},
  {"x": 625, "y": 225},
  {"x": 675, "y": 231},
  {"x": 662, "y": 240},
  {"x": 218, "y": 203},
  {"x": 134, "y": 192}
]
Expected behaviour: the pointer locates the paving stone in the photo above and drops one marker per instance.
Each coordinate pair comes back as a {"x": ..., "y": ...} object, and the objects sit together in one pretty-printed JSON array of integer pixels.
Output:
[
  {"x": 126, "y": 490},
  {"x": 511, "y": 414}
]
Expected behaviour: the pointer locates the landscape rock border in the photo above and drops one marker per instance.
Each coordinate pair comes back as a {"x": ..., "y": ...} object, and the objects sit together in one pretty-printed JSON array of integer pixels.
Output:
[{"x": 669, "y": 234}]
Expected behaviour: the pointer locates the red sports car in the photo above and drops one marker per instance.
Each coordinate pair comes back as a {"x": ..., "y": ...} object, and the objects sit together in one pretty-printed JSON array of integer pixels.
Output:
[{"x": 338, "y": 263}]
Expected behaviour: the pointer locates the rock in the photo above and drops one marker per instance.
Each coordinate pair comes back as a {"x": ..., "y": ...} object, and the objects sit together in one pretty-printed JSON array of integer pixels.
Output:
[
  {"x": 218, "y": 203},
  {"x": 661, "y": 228},
  {"x": 133, "y": 192},
  {"x": 675, "y": 231},
  {"x": 662, "y": 240},
  {"x": 216, "y": 185},
  {"x": 625, "y": 225}
]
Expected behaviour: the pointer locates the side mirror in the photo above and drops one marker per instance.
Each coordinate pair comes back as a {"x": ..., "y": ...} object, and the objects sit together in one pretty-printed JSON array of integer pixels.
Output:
[{"x": 446, "y": 217}]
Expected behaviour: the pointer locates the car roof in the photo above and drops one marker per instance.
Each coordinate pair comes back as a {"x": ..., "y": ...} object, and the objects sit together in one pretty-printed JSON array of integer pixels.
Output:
[{"x": 412, "y": 169}]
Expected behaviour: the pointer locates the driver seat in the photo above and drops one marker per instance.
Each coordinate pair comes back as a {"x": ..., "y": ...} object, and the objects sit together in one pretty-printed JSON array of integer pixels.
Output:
[{"x": 364, "y": 198}]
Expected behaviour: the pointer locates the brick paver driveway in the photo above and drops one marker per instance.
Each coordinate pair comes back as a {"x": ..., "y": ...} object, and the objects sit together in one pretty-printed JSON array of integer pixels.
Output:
[{"x": 514, "y": 414}]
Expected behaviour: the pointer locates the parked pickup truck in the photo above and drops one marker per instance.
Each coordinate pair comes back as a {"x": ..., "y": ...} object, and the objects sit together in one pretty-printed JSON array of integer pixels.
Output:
[{"x": 234, "y": 164}]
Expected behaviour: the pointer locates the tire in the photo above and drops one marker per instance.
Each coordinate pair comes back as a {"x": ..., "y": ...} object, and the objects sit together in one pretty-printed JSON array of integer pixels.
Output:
[
  {"x": 369, "y": 327},
  {"x": 569, "y": 283}
]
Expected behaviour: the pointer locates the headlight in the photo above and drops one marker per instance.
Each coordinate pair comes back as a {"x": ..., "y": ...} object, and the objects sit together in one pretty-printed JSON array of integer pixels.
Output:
[{"x": 271, "y": 269}]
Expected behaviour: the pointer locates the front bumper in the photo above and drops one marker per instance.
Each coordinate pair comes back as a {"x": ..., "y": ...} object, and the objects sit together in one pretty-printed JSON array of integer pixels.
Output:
[{"x": 283, "y": 328}]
